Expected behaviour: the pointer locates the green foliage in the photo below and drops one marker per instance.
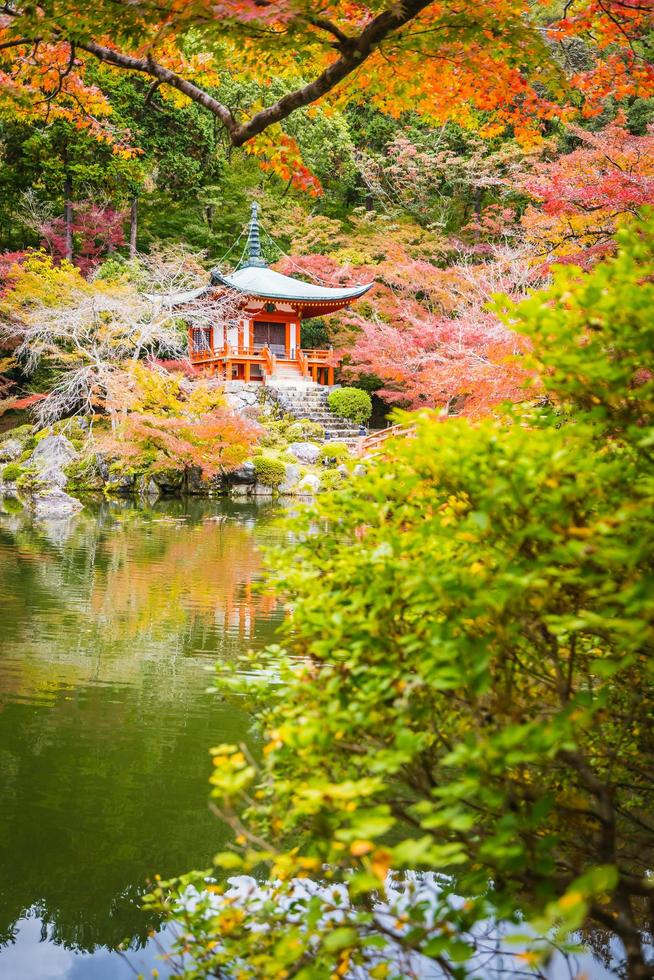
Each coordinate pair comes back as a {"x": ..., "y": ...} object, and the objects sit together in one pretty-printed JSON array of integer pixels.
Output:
[
  {"x": 304, "y": 430},
  {"x": 269, "y": 471},
  {"x": 476, "y": 695},
  {"x": 11, "y": 472},
  {"x": 334, "y": 453},
  {"x": 351, "y": 403},
  {"x": 330, "y": 480}
]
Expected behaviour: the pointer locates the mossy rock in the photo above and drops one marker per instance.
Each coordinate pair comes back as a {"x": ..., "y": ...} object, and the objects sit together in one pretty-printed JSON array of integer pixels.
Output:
[
  {"x": 304, "y": 430},
  {"x": 84, "y": 474},
  {"x": 169, "y": 479},
  {"x": 28, "y": 481},
  {"x": 23, "y": 433},
  {"x": 12, "y": 472}
]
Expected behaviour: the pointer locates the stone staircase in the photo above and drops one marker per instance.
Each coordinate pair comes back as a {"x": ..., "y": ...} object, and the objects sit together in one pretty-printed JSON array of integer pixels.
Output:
[
  {"x": 287, "y": 373},
  {"x": 309, "y": 401}
]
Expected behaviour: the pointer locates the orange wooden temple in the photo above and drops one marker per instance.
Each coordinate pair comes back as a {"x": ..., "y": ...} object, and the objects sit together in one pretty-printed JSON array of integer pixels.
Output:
[{"x": 264, "y": 342}]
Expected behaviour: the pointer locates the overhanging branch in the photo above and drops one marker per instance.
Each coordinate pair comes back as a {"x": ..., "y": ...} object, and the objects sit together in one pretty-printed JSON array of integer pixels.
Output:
[{"x": 353, "y": 53}]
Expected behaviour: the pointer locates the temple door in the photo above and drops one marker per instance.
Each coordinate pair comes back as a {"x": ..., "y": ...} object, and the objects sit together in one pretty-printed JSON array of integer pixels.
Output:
[{"x": 272, "y": 334}]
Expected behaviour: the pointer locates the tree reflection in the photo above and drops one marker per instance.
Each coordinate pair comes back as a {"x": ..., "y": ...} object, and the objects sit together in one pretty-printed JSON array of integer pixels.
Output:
[{"x": 104, "y": 716}]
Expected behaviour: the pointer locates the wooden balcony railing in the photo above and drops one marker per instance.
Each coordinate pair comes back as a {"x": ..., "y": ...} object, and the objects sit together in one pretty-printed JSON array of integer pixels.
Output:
[{"x": 314, "y": 364}]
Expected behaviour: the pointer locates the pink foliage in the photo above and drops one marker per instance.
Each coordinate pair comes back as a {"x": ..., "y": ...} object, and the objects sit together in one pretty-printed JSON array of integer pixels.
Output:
[
  {"x": 425, "y": 332},
  {"x": 97, "y": 230},
  {"x": 9, "y": 261}
]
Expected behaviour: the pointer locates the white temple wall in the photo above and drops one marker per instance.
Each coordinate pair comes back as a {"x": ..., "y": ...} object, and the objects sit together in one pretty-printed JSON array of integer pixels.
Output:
[{"x": 232, "y": 334}]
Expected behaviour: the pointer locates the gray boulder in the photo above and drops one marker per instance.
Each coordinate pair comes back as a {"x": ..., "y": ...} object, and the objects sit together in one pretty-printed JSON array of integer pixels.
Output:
[
  {"x": 146, "y": 487},
  {"x": 306, "y": 452},
  {"x": 245, "y": 473},
  {"x": 291, "y": 478},
  {"x": 261, "y": 490},
  {"x": 240, "y": 489},
  {"x": 54, "y": 504},
  {"x": 49, "y": 458},
  {"x": 10, "y": 450},
  {"x": 308, "y": 485}
]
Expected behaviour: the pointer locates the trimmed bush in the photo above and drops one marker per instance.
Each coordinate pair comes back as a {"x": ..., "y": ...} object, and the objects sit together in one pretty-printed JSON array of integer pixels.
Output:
[
  {"x": 351, "y": 403},
  {"x": 271, "y": 472},
  {"x": 11, "y": 472}
]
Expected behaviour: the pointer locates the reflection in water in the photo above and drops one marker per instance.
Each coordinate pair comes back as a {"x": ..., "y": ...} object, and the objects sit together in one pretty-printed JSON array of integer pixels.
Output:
[{"x": 109, "y": 624}]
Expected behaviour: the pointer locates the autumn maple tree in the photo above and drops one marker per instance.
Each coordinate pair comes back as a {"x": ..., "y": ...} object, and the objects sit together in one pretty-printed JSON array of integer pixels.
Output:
[
  {"x": 486, "y": 65},
  {"x": 580, "y": 197}
]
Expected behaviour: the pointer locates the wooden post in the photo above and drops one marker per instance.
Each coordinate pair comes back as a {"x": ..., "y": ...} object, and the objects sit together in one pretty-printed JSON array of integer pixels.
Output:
[
  {"x": 228, "y": 370},
  {"x": 251, "y": 334},
  {"x": 288, "y": 338},
  {"x": 314, "y": 372},
  {"x": 247, "y": 371},
  {"x": 330, "y": 375}
]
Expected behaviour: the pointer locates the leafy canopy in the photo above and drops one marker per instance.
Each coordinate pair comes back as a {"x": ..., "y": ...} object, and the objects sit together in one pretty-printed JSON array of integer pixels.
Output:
[{"x": 486, "y": 65}]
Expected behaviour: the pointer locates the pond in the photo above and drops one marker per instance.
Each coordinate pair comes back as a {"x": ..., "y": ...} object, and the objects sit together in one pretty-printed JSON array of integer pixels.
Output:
[{"x": 109, "y": 627}]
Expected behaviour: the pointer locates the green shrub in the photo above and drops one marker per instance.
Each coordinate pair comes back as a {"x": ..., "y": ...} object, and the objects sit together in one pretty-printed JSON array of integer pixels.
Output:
[
  {"x": 275, "y": 434},
  {"x": 305, "y": 430},
  {"x": 351, "y": 403},
  {"x": 330, "y": 480},
  {"x": 271, "y": 472},
  {"x": 475, "y": 699},
  {"x": 11, "y": 472},
  {"x": 334, "y": 453}
]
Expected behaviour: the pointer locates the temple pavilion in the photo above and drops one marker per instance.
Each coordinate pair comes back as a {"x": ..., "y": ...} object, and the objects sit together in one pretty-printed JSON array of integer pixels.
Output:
[{"x": 264, "y": 342}]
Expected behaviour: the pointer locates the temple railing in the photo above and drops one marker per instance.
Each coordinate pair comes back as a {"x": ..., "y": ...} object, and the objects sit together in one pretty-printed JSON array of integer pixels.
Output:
[
  {"x": 316, "y": 365},
  {"x": 302, "y": 362},
  {"x": 269, "y": 361}
]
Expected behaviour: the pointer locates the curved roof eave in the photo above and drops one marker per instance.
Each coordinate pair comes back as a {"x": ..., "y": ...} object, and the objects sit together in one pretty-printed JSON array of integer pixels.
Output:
[
  {"x": 177, "y": 299},
  {"x": 265, "y": 283}
]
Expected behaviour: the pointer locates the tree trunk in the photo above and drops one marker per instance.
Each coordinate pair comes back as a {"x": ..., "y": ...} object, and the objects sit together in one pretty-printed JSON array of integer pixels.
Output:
[
  {"x": 479, "y": 194},
  {"x": 133, "y": 226},
  {"x": 68, "y": 213}
]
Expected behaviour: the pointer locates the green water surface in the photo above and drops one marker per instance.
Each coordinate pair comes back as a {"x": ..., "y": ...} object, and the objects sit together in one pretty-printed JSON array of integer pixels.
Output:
[{"x": 109, "y": 626}]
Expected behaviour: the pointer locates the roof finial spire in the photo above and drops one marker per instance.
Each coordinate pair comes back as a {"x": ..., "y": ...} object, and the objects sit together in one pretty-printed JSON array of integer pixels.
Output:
[{"x": 254, "y": 242}]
